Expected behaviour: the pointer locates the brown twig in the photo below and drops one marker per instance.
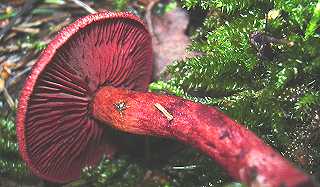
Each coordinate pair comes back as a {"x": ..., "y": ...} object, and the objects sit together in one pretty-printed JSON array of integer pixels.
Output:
[
  {"x": 84, "y": 6},
  {"x": 9, "y": 49},
  {"x": 26, "y": 30},
  {"x": 8, "y": 98},
  {"x": 42, "y": 20},
  {"x": 58, "y": 27},
  {"x": 164, "y": 111}
]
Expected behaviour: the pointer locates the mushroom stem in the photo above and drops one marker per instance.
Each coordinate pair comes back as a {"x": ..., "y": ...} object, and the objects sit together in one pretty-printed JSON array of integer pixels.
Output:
[{"x": 235, "y": 148}]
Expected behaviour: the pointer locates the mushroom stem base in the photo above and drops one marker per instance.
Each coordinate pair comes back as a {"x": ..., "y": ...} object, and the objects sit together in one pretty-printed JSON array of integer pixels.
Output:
[{"x": 235, "y": 148}]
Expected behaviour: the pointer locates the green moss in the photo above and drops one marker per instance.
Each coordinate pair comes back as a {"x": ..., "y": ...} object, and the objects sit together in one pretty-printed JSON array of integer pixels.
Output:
[
  {"x": 10, "y": 162},
  {"x": 265, "y": 94}
]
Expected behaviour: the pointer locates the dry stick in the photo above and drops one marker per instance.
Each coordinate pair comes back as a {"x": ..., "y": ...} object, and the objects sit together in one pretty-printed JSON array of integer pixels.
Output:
[
  {"x": 164, "y": 111},
  {"x": 8, "y": 98},
  {"x": 184, "y": 167},
  {"x": 85, "y": 6},
  {"x": 9, "y": 48},
  {"x": 38, "y": 22},
  {"x": 58, "y": 27},
  {"x": 26, "y": 30},
  {"x": 27, "y": 7}
]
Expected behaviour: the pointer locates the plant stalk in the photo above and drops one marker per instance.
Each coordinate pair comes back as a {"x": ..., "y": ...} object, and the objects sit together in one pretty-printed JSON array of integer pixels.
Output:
[{"x": 239, "y": 151}]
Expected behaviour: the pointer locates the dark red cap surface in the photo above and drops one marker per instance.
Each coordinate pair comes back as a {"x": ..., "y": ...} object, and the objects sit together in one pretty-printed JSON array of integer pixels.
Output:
[{"x": 56, "y": 133}]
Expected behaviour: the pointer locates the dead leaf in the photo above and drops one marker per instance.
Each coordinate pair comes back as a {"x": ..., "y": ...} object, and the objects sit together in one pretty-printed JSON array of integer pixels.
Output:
[{"x": 169, "y": 39}]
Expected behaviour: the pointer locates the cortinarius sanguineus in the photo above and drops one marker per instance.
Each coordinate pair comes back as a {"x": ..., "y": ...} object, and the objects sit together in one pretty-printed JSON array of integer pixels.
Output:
[{"x": 95, "y": 73}]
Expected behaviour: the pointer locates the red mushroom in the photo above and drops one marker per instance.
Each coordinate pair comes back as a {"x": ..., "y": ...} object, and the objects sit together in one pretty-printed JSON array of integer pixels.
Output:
[{"x": 95, "y": 73}]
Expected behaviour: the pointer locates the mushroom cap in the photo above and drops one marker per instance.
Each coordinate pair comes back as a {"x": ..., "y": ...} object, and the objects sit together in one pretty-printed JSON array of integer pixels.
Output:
[{"x": 56, "y": 132}]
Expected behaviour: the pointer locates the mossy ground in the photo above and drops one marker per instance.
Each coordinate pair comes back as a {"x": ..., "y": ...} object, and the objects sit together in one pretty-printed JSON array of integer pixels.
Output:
[{"x": 258, "y": 61}]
